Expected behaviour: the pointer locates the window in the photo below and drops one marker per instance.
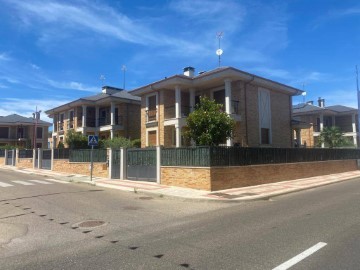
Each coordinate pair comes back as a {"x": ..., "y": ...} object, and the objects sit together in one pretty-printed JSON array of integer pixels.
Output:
[
  {"x": 61, "y": 122},
  {"x": 39, "y": 133},
  {"x": 219, "y": 97},
  {"x": 152, "y": 138},
  {"x": 265, "y": 136},
  {"x": 71, "y": 119},
  {"x": 21, "y": 132},
  {"x": 4, "y": 132},
  {"x": 264, "y": 116},
  {"x": 151, "y": 111}
]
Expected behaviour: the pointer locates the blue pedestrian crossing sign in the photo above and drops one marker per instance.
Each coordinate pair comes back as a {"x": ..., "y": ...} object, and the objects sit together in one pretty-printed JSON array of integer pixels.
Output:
[{"x": 93, "y": 140}]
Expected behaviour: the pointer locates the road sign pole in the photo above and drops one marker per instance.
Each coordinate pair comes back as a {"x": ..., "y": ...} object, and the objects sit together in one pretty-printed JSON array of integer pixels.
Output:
[{"x": 92, "y": 162}]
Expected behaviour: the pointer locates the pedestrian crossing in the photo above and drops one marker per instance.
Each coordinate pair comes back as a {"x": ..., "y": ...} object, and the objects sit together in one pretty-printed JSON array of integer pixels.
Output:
[{"x": 12, "y": 183}]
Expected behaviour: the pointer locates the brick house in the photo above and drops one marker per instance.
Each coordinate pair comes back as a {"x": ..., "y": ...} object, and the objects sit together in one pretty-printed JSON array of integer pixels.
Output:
[
  {"x": 23, "y": 132},
  {"x": 320, "y": 116},
  {"x": 113, "y": 112},
  {"x": 260, "y": 107}
]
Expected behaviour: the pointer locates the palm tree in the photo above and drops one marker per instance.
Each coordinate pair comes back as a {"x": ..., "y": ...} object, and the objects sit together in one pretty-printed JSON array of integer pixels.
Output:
[{"x": 332, "y": 137}]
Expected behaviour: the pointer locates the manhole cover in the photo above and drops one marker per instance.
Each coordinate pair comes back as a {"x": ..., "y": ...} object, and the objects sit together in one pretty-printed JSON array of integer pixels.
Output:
[{"x": 90, "y": 223}]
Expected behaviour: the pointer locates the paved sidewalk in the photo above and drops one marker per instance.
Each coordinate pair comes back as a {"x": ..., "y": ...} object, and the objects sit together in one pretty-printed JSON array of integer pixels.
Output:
[{"x": 235, "y": 194}]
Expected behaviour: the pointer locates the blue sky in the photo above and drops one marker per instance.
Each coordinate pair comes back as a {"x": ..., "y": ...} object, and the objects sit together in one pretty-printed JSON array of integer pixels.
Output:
[{"x": 52, "y": 52}]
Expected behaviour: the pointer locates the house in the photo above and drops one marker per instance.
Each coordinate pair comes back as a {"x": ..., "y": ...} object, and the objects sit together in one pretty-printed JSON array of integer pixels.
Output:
[
  {"x": 113, "y": 112},
  {"x": 321, "y": 116},
  {"x": 23, "y": 132},
  {"x": 260, "y": 107}
]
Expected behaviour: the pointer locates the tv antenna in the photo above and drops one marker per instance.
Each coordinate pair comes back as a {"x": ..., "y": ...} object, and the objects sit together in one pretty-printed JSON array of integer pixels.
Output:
[
  {"x": 102, "y": 79},
  {"x": 123, "y": 68},
  {"x": 219, "y": 51}
]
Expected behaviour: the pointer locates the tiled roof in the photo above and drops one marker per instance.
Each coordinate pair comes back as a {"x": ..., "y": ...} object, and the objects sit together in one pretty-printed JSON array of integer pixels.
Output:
[
  {"x": 305, "y": 108},
  {"x": 340, "y": 108},
  {"x": 15, "y": 118}
]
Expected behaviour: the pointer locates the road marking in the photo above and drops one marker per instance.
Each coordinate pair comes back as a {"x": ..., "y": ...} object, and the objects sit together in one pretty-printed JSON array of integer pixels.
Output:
[
  {"x": 300, "y": 257},
  {"x": 5, "y": 185},
  {"x": 23, "y": 183},
  {"x": 40, "y": 182},
  {"x": 58, "y": 181}
]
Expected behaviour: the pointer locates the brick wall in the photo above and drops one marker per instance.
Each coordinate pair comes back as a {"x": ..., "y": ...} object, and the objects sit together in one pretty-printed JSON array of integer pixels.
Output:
[
  {"x": 218, "y": 178},
  {"x": 100, "y": 169},
  {"x": 197, "y": 178},
  {"x": 24, "y": 163},
  {"x": 2, "y": 161},
  {"x": 143, "y": 121}
]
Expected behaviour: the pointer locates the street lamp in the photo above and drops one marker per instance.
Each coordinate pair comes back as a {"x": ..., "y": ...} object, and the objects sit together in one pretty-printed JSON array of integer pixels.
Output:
[{"x": 36, "y": 117}]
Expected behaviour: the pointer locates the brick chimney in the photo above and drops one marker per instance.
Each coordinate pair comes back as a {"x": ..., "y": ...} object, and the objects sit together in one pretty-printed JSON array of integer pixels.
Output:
[
  {"x": 189, "y": 71},
  {"x": 321, "y": 102}
]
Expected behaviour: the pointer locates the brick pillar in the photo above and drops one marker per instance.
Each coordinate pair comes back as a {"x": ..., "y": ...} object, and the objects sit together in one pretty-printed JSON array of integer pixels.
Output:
[
  {"x": 123, "y": 163},
  {"x": 158, "y": 164}
]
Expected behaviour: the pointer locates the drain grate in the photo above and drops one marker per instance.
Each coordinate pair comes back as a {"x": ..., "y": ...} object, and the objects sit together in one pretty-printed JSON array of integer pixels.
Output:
[{"x": 229, "y": 196}]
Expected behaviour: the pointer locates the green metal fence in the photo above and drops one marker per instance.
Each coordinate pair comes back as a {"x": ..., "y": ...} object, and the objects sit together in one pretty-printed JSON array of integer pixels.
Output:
[
  {"x": 2, "y": 153},
  {"x": 242, "y": 156},
  {"x": 186, "y": 156},
  {"x": 84, "y": 155},
  {"x": 61, "y": 153},
  {"x": 25, "y": 153}
]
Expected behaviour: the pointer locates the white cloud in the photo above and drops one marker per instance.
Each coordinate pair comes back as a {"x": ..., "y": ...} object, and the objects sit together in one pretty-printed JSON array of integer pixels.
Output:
[
  {"x": 72, "y": 86},
  {"x": 26, "y": 107},
  {"x": 4, "y": 57}
]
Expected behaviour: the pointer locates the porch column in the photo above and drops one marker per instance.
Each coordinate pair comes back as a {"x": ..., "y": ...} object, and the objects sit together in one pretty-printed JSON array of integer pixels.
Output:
[
  {"x": 54, "y": 124},
  {"x": 229, "y": 142},
  {"x": 83, "y": 116},
  {"x": 178, "y": 135},
  {"x": 192, "y": 99},
  {"x": 112, "y": 114},
  {"x": 353, "y": 123},
  {"x": 322, "y": 127},
  {"x": 228, "y": 96},
  {"x": 177, "y": 102}
]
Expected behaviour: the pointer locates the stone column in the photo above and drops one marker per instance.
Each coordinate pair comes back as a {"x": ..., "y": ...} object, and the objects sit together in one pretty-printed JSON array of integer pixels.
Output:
[
  {"x": 178, "y": 135},
  {"x": 158, "y": 164},
  {"x": 123, "y": 163},
  {"x": 177, "y": 102},
  {"x": 228, "y": 96}
]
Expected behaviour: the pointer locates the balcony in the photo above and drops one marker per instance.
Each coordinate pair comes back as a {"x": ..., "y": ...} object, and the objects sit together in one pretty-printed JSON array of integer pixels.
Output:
[
  {"x": 151, "y": 115},
  {"x": 105, "y": 121},
  {"x": 170, "y": 112}
]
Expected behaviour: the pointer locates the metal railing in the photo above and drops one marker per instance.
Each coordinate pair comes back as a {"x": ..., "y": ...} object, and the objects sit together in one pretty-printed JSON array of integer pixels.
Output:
[
  {"x": 151, "y": 115},
  {"x": 84, "y": 155},
  {"x": 243, "y": 156}
]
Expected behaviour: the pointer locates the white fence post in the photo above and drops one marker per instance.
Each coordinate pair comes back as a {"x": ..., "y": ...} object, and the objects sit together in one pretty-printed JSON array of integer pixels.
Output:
[
  {"x": 52, "y": 159},
  {"x": 13, "y": 157},
  {"x": 39, "y": 158},
  {"x": 110, "y": 163},
  {"x": 6, "y": 156},
  {"x": 34, "y": 158},
  {"x": 123, "y": 163},
  {"x": 16, "y": 156},
  {"x": 158, "y": 164}
]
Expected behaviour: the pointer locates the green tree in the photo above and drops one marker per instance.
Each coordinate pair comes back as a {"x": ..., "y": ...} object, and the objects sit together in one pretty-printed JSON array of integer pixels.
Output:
[
  {"x": 76, "y": 140},
  {"x": 208, "y": 124},
  {"x": 333, "y": 137}
]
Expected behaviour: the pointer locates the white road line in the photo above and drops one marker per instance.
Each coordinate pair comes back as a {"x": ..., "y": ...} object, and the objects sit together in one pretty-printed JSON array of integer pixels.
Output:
[
  {"x": 23, "y": 183},
  {"x": 5, "y": 185},
  {"x": 58, "y": 181},
  {"x": 41, "y": 182},
  {"x": 300, "y": 257}
]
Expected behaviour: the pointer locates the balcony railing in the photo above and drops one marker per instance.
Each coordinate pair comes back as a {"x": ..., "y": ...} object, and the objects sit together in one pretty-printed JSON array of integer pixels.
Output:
[
  {"x": 170, "y": 111},
  {"x": 151, "y": 115},
  {"x": 105, "y": 121},
  {"x": 235, "y": 107}
]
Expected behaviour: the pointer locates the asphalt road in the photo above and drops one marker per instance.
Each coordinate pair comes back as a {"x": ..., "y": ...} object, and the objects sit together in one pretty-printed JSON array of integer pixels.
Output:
[{"x": 41, "y": 228}]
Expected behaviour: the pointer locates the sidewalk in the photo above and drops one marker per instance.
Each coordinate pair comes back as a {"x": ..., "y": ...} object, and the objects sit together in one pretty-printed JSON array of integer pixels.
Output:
[{"x": 236, "y": 194}]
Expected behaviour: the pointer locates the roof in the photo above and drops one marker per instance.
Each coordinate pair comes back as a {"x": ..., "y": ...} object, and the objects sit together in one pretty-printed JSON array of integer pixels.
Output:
[
  {"x": 212, "y": 77},
  {"x": 118, "y": 95},
  {"x": 305, "y": 108},
  {"x": 18, "y": 119}
]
